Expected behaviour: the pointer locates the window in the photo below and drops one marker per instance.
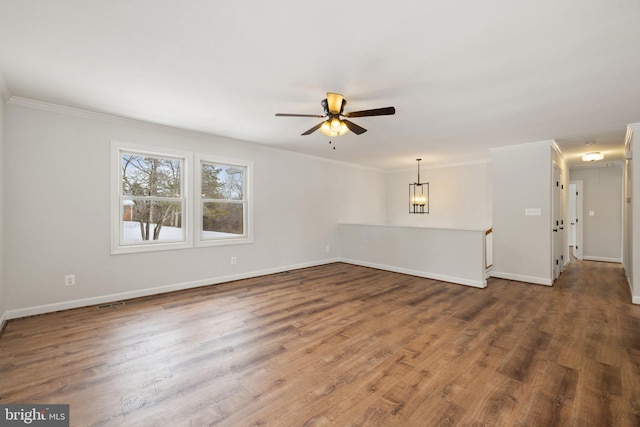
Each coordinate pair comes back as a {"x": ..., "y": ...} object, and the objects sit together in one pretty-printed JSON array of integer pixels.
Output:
[
  {"x": 153, "y": 201},
  {"x": 151, "y": 204},
  {"x": 223, "y": 210}
]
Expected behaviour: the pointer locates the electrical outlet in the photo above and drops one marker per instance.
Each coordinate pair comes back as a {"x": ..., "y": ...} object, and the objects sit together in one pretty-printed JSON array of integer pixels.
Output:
[
  {"x": 327, "y": 249},
  {"x": 70, "y": 280},
  {"x": 234, "y": 260}
]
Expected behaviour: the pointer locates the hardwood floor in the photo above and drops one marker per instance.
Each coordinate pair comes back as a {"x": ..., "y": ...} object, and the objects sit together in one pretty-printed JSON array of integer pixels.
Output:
[{"x": 341, "y": 345}]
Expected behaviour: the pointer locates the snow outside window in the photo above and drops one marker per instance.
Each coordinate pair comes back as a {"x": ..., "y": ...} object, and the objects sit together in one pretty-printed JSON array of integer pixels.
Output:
[{"x": 151, "y": 199}]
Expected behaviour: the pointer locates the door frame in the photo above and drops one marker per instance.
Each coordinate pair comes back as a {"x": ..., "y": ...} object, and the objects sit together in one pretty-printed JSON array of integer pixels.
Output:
[
  {"x": 557, "y": 222},
  {"x": 577, "y": 249}
]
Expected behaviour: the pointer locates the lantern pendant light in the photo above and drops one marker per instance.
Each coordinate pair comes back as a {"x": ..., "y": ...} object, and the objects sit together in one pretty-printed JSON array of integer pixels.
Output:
[{"x": 419, "y": 195}]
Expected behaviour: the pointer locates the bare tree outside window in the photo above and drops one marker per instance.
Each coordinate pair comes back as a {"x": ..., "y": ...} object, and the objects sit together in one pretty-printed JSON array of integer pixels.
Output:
[
  {"x": 160, "y": 202},
  {"x": 151, "y": 197}
]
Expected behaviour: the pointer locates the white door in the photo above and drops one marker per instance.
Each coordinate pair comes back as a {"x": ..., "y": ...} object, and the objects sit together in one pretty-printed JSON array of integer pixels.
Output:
[
  {"x": 557, "y": 223},
  {"x": 572, "y": 214}
]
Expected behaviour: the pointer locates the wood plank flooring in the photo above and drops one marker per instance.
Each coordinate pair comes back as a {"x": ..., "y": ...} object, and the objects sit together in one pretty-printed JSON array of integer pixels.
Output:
[{"x": 341, "y": 345}]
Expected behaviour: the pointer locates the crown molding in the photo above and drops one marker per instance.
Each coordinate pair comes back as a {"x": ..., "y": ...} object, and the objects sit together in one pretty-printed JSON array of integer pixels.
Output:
[
  {"x": 546, "y": 142},
  {"x": 5, "y": 93},
  {"x": 119, "y": 120},
  {"x": 631, "y": 128},
  {"x": 86, "y": 114},
  {"x": 442, "y": 166}
]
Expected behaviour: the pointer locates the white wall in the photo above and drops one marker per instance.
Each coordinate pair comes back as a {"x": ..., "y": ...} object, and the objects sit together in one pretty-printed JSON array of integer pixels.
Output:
[
  {"x": 602, "y": 195},
  {"x": 3, "y": 292},
  {"x": 627, "y": 211},
  {"x": 447, "y": 244},
  {"x": 460, "y": 196},
  {"x": 521, "y": 180},
  {"x": 57, "y": 211},
  {"x": 632, "y": 213},
  {"x": 455, "y": 256}
]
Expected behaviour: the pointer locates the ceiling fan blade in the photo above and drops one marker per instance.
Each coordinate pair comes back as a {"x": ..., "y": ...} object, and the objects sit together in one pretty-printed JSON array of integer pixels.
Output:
[
  {"x": 354, "y": 127},
  {"x": 313, "y": 129},
  {"x": 298, "y": 115},
  {"x": 386, "y": 111}
]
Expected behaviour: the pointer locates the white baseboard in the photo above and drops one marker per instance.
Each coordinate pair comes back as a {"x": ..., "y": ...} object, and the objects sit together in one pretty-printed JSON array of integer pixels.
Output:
[
  {"x": 634, "y": 298},
  {"x": 522, "y": 278},
  {"x": 425, "y": 274},
  {"x": 601, "y": 259},
  {"x": 85, "y": 302},
  {"x": 3, "y": 320}
]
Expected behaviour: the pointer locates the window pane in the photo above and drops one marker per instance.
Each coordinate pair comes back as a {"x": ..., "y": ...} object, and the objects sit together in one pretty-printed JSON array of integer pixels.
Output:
[
  {"x": 222, "y": 182},
  {"x": 150, "y": 176},
  {"x": 221, "y": 220},
  {"x": 151, "y": 220}
]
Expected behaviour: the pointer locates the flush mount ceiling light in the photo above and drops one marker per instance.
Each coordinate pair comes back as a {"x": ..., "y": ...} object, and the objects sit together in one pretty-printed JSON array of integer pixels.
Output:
[
  {"x": 419, "y": 195},
  {"x": 592, "y": 156}
]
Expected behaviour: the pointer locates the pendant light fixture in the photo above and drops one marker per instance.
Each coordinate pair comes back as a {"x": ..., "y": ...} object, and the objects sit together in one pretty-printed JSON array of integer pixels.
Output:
[{"x": 419, "y": 195}]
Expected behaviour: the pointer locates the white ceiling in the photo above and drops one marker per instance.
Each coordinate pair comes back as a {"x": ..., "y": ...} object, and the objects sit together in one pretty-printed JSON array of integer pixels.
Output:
[{"x": 463, "y": 75}]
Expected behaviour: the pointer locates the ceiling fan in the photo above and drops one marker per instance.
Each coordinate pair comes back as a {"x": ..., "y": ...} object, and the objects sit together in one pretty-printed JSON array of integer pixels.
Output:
[{"x": 334, "y": 125}]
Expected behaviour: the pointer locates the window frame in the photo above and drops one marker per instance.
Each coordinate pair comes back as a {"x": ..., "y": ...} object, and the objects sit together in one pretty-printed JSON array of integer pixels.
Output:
[
  {"x": 117, "y": 198},
  {"x": 247, "y": 202}
]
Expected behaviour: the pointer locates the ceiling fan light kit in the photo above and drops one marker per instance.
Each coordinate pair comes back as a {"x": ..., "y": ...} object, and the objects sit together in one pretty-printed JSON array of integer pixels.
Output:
[
  {"x": 334, "y": 124},
  {"x": 334, "y": 127}
]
